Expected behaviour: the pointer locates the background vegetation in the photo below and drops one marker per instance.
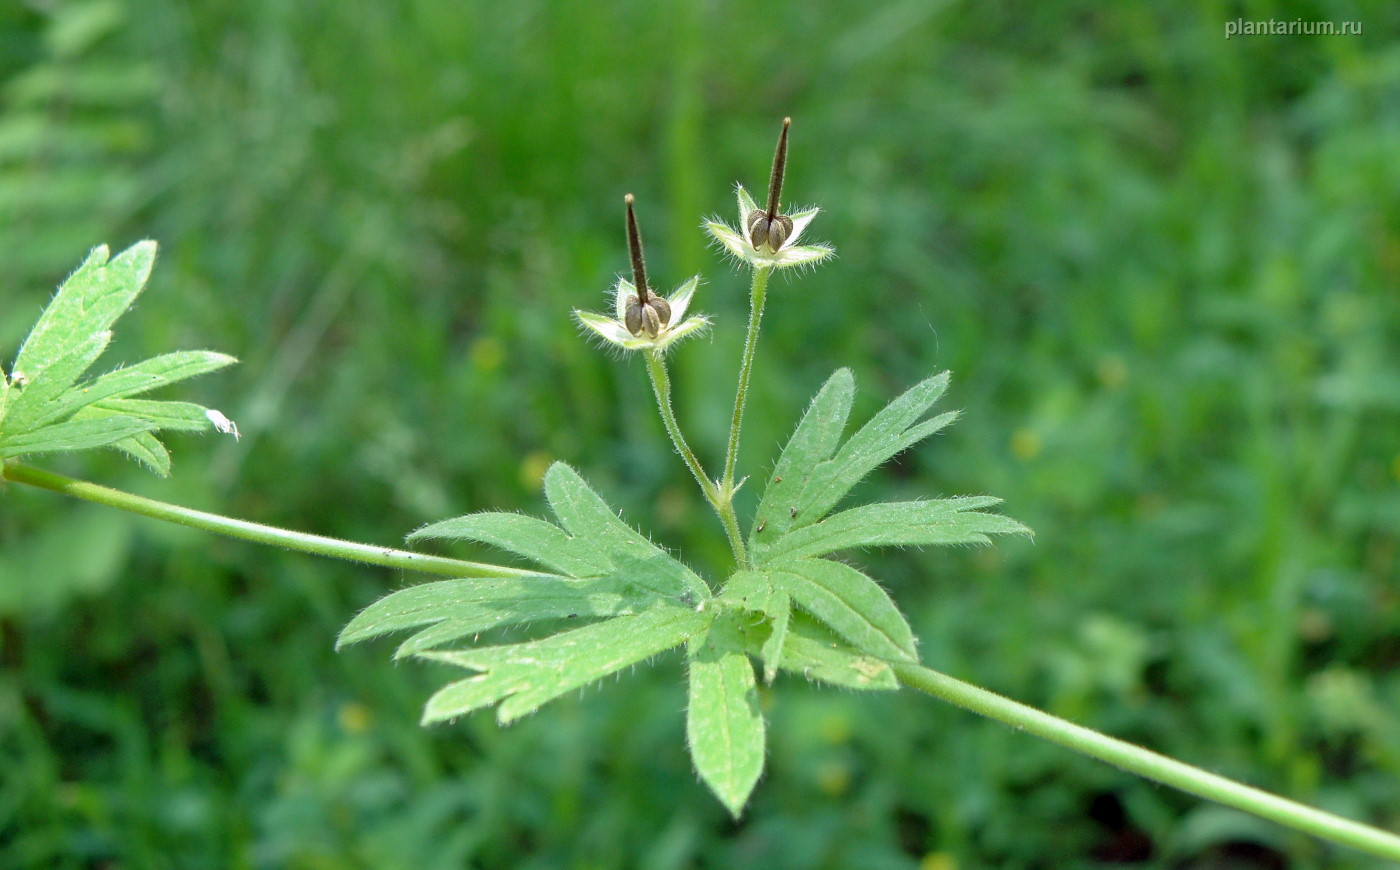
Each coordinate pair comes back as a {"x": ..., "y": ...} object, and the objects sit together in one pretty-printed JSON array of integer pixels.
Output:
[{"x": 1163, "y": 267}]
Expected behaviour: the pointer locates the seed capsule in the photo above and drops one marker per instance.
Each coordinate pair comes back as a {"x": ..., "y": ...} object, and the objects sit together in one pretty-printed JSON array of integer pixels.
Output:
[
  {"x": 650, "y": 316},
  {"x": 772, "y": 232}
]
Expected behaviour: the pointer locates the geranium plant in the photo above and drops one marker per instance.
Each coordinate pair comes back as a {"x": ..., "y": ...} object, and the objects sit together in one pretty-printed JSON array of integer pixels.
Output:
[{"x": 601, "y": 596}]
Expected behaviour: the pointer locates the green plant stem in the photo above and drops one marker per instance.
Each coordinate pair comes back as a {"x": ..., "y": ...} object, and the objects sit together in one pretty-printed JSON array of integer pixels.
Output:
[
  {"x": 758, "y": 290},
  {"x": 661, "y": 385},
  {"x": 1151, "y": 765},
  {"x": 255, "y": 532}
]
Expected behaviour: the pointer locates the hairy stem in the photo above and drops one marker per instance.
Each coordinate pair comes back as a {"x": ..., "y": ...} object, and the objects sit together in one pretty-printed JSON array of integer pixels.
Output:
[
  {"x": 757, "y": 291},
  {"x": 661, "y": 385},
  {"x": 256, "y": 532},
  {"x": 1151, "y": 765}
]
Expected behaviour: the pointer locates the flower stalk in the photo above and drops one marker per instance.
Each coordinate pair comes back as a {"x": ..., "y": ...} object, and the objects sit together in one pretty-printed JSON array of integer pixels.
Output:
[
  {"x": 758, "y": 291},
  {"x": 724, "y": 508}
]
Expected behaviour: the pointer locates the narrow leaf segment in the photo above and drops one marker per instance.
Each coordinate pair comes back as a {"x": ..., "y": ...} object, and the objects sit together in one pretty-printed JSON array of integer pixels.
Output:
[
  {"x": 724, "y": 725},
  {"x": 524, "y": 676}
]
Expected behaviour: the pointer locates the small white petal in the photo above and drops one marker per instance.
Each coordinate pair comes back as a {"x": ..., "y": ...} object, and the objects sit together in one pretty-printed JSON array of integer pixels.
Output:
[
  {"x": 730, "y": 239},
  {"x": 622, "y": 292},
  {"x": 688, "y": 327},
  {"x": 222, "y": 423},
  {"x": 746, "y": 205},
  {"x": 801, "y": 255},
  {"x": 799, "y": 223},
  {"x": 609, "y": 330},
  {"x": 680, "y": 300}
]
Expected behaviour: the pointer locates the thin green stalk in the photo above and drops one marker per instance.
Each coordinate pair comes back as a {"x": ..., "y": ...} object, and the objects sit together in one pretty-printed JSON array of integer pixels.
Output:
[
  {"x": 757, "y": 291},
  {"x": 256, "y": 532},
  {"x": 661, "y": 385},
  {"x": 1151, "y": 765}
]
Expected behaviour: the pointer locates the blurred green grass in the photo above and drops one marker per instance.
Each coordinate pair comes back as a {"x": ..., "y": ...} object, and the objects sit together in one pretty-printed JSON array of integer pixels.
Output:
[{"x": 1163, "y": 267}]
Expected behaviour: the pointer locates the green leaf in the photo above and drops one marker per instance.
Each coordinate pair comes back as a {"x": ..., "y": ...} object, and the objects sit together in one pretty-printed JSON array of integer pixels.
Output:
[
  {"x": 524, "y": 676},
  {"x": 146, "y": 449},
  {"x": 586, "y": 517},
  {"x": 751, "y": 590},
  {"x": 754, "y": 590},
  {"x": 812, "y": 443},
  {"x": 535, "y": 539},
  {"x": 916, "y": 523},
  {"x": 74, "y": 435},
  {"x": 52, "y": 411},
  {"x": 177, "y": 416},
  {"x": 54, "y": 334},
  {"x": 156, "y": 372},
  {"x": 811, "y": 652},
  {"x": 593, "y": 541},
  {"x": 776, "y": 644},
  {"x": 889, "y": 432},
  {"x": 724, "y": 725},
  {"x": 42, "y": 400},
  {"x": 850, "y": 603},
  {"x": 151, "y": 374},
  {"x": 90, "y": 301},
  {"x": 4, "y": 396},
  {"x": 454, "y": 609}
]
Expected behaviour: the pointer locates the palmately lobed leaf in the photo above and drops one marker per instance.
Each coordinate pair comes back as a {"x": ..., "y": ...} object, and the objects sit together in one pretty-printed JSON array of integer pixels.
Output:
[
  {"x": 524, "y": 676},
  {"x": 46, "y": 409}
]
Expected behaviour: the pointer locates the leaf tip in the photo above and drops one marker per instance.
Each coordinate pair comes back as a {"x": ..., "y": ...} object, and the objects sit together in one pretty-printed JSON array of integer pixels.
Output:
[
  {"x": 734, "y": 804},
  {"x": 140, "y": 258},
  {"x": 559, "y": 469},
  {"x": 144, "y": 249},
  {"x": 97, "y": 256}
]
